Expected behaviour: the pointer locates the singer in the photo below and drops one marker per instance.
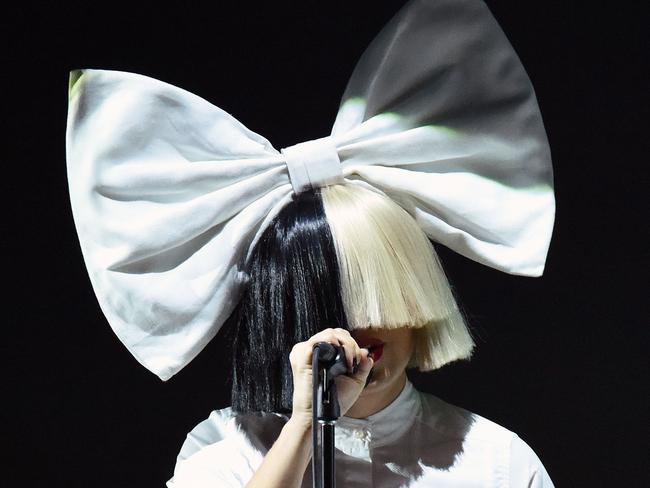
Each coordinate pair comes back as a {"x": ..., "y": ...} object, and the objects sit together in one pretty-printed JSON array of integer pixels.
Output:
[
  {"x": 350, "y": 267},
  {"x": 194, "y": 227}
]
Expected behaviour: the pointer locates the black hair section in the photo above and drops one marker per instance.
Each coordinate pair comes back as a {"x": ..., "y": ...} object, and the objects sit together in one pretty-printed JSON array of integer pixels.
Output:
[{"x": 293, "y": 292}]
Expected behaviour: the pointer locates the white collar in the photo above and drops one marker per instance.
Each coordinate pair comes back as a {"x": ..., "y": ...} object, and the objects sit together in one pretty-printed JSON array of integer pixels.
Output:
[{"x": 384, "y": 426}]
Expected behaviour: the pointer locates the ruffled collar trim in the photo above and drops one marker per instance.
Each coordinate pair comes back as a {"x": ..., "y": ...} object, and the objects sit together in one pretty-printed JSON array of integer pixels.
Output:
[{"x": 384, "y": 426}]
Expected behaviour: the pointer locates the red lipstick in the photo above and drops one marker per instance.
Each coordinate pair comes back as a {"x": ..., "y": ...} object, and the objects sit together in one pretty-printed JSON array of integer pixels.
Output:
[
  {"x": 374, "y": 346},
  {"x": 376, "y": 352}
]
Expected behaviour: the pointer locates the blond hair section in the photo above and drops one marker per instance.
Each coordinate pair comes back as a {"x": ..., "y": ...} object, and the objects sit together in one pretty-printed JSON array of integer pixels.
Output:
[{"x": 391, "y": 276}]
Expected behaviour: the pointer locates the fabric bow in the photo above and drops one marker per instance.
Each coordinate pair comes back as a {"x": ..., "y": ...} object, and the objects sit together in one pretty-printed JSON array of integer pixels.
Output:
[{"x": 169, "y": 193}]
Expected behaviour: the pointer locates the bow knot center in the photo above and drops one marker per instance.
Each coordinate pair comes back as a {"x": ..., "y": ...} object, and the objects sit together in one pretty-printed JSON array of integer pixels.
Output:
[{"x": 313, "y": 164}]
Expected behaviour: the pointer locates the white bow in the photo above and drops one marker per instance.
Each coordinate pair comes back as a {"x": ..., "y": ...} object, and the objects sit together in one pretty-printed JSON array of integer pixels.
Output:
[{"x": 169, "y": 193}]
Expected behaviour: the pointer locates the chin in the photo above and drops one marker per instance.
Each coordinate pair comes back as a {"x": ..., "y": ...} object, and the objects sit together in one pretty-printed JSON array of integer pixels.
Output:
[{"x": 379, "y": 381}]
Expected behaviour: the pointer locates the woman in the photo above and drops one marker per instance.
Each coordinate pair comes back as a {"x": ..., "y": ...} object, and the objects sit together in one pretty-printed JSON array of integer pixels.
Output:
[
  {"x": 188, "y": 220},
  {"x": 345, "y": 258}
]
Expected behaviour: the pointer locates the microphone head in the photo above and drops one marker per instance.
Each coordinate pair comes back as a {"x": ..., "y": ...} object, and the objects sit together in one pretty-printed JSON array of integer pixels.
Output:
[{"x": 327, "y": 352}]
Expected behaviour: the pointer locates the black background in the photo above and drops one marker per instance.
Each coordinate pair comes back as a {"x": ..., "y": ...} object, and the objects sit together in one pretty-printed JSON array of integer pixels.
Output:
[{"x": 561, "y": 359}]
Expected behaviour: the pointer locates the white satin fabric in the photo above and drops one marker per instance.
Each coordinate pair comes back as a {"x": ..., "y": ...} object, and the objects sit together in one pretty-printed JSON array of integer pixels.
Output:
[
  {"x": 170, "y": 193},
  {"x": 417, "y": 441}
]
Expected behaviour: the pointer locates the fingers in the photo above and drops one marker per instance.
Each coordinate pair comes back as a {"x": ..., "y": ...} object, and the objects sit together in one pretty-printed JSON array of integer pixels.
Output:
[
  {"x": 367, "y": 362},
  {"x": 360, "y": 376},
  {"x": 301, "y": 353},
  {"x": 365, "y": 365}
]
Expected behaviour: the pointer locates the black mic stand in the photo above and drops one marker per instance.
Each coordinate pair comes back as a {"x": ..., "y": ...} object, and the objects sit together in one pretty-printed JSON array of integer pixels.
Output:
[{"x": 328, "y": 362}]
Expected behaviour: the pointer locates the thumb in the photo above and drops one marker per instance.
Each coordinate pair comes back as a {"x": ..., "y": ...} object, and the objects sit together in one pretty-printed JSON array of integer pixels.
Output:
[{"x": 366, "y": 363}]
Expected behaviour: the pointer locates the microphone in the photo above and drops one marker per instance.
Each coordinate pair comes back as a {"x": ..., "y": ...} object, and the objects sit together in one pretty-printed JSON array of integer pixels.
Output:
[
  {"x": 327, "y": 362},
  {"x": 332, "y": 358}
]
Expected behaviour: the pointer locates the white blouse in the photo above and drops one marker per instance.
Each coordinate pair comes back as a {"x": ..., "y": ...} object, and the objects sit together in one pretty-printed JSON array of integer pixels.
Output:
[{"x": 416, "y": 441}]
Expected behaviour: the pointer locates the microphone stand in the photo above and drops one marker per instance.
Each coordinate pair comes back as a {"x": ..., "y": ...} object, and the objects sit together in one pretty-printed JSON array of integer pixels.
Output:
[{"x": 328, "y": 362}]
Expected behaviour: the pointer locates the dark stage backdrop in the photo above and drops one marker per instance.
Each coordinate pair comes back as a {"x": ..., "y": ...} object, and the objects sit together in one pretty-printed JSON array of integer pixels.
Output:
[{"x": 561, "y": 359}]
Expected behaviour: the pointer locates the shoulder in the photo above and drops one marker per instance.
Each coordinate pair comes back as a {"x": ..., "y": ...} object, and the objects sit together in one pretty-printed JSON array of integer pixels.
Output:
[
  {"x": 254, "y": 428},
  {"x": 514, "y": 461},
  {"x": 219, "y": 425},
  {"x": 225, "y": 448},
  {"x": 526, "y": 469},
  {"x": 459, "y": 423}
]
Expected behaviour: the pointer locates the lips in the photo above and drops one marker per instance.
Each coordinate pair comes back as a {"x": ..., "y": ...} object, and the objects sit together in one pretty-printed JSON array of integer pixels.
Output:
[
  {"x": 374, "y": 346},
  {"x": 376, "y": 352}
]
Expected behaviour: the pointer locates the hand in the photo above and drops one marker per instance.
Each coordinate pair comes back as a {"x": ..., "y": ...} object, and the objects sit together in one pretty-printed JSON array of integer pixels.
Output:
[{"x": 348, "y": 386}]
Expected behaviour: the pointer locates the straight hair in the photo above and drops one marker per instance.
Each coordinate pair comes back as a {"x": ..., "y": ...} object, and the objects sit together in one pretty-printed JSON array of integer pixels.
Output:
[
  {"x": 391, "y": 276},
  {"x": 293, "y": 293}
]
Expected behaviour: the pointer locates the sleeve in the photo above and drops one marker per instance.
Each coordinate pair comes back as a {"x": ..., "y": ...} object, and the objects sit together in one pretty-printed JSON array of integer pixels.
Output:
[
  {"x": 526, "y": 469},
  {"x": 215, "y": 454}
]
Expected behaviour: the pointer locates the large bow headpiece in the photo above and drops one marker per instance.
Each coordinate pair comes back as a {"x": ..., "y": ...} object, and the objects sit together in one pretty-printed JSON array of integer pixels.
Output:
[{"x": 169, "y": 193}]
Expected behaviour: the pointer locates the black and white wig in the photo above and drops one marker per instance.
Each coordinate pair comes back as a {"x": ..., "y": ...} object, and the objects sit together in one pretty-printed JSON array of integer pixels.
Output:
[{"x": 339, "y": 256}]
